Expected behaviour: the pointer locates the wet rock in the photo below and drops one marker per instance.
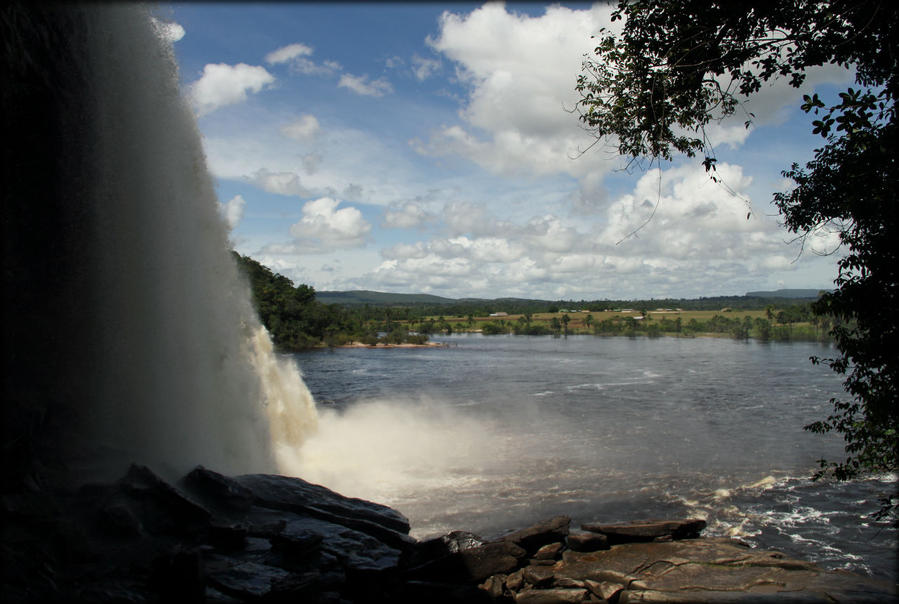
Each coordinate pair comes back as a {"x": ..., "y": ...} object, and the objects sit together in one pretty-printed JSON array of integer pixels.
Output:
[
  {"x": 214, "y": 596},
  {"x": 569, "y": 583},
  {"x": 454, "y": 542},
  {"x": 585, "y": 541},
  {"x": 551, "y": 596},
  {"x": 538, "y": 576},
  {"x": 179, "y": 575},
  {"x": 117, "y": 518},
  {"x": 590, "y": 565},
  {"x": 605, "y": 590},
  {"x": 543, "y": 533},
  {"x": 515, "y": 581},
  {"x": 297, "y": 587},
  {"x": 161, "y": 508},
  {"x": 535, "y": 562},
  {"x": 217, "y": 490},
  {"x": 494, "y": 586},
  {"x": 357, "y": 551},
  {"x": 715, "y": 570},
  {"x": 264, "y": 523},
  {"x": 227, "y": 537},
  {"x": 719, "y": 597},
  {"x": 461, "y": 556},
  {"x": 244, "y": 580},
  {"x": 297, "y": 542},
  {"x": 651, "y": 530},
  {"x": 264, "y": 538},
  {"x": 551, "y": 551},
  {"x": 297, "y": 495}
]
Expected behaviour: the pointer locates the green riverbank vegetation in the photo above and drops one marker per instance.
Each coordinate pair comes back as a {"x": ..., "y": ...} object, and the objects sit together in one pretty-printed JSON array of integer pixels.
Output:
[
  {"x": 297, "y": 320},
  {"x": 786, "y": 323}
]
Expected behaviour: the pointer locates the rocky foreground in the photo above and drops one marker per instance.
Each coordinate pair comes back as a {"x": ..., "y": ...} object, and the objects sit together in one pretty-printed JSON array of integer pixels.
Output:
[{"x": 273, "y": 538}]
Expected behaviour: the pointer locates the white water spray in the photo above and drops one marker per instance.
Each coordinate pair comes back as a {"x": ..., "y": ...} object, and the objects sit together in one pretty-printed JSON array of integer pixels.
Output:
[{"x": 183, "y": 372}]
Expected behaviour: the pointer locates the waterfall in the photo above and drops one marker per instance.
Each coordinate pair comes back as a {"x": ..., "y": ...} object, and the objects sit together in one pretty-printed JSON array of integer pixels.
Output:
[{"x": 152, "y": 346}]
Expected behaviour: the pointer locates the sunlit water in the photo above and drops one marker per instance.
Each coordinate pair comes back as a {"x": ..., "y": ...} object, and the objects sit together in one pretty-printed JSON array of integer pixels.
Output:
[{"x": 490, "y": 433}]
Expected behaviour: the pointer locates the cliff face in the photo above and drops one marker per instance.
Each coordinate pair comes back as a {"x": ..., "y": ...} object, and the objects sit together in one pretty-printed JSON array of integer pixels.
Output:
[
  {"x": 44, "y": 236},
  {"x": 264, "y": 537}
]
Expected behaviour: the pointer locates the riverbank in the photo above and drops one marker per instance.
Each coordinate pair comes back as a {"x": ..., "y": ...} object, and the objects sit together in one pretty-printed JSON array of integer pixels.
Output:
[
  {"x": 215, "y": 538},
  {"x": 258, "y": 537}
]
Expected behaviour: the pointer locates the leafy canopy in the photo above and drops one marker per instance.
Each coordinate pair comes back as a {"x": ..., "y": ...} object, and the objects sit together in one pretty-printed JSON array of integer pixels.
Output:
[{"x": 678, "y": 66}]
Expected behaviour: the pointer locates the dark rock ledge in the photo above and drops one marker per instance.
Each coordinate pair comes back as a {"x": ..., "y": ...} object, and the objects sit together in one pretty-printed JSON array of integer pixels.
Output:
[{"x": 266, "y": 538}]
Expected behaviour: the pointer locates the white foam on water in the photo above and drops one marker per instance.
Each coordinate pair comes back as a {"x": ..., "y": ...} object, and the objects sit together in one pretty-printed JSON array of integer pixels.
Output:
[{"x": 385, "y": 450}]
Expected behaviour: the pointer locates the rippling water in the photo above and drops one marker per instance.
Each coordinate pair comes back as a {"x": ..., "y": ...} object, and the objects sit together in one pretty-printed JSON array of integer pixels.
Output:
[{"x": 490, "y": 433}]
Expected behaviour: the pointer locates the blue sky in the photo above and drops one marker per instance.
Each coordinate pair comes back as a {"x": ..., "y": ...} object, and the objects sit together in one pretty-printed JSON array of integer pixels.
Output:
[{"x": 427, "y": 148}]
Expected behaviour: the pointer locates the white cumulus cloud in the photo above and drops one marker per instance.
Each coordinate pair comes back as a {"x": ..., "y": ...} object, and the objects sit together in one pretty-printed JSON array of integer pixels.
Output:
[
  {"x": 406, "y": 216},
  {"x": 281, "y": 183},
  {"x": 521, "y": 72},
  {"x": 304, "y": 129},
  {"x": 287, "y": 53},
  {"x": 297, "y": 56},
  {"x": 676, "y": 233},
  {"x": 222, "y": 85},
  {"x": 323, "y": 227},
  {"x": 362, "y": 85},
  {"x": 423, "y": 67}
]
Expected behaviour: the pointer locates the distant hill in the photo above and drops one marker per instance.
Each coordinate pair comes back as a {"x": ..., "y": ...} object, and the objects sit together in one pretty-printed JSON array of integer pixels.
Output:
[
  {"x": 378, "y": 298},
  {"x": 440, "y": 305},
  {"x": 799, "y": 294}
]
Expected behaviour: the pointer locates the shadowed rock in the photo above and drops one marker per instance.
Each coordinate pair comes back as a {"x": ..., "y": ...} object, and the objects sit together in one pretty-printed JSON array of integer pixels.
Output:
[
  {"x": 295, "y": 494},
  {"x": 542, "y": 533},
  {"x": 716, "y": 570},
  {"x": 551, "y": 551},
  {"x": 585, "y": 541},
  {"x": 552, "y": 596},
  {"x": 463, "y": 556},
  {"x": 650, "y": 530},
  {"x": 161, "y": 508},
  {"x": 265, "y": 538},
  {"x": 217, "y": 490}
]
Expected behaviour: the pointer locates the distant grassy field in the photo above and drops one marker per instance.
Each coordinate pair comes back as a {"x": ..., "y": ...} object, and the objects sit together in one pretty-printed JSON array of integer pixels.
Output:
[
  {"x": 580, "y": 318},
  {"x": 657, "y": 322}
]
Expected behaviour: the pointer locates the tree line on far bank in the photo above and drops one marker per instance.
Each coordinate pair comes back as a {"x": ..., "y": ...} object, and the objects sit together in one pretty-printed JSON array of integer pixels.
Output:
[
  {"x": 297, "y": 321},
  {"x": 792, "y": 323}
]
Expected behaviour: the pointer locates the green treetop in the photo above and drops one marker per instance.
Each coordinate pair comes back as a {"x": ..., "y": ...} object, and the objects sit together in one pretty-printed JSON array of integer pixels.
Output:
[{"x": 677, "y": 67}]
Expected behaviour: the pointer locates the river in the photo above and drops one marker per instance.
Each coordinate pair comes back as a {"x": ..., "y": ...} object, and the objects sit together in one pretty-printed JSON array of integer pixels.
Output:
[{"x": 490, "y": 433}]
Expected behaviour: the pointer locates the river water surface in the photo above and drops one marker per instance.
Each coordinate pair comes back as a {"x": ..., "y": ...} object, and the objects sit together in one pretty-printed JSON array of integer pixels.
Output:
[{"x": 490, "y": 433}]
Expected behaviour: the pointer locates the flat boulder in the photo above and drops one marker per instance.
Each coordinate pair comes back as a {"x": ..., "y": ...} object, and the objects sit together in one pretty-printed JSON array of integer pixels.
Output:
[
  {"x": 463, "y": 556},
  {"x": 715, "y": 570},
  {"x": 586, "y": 541},
  {"x": 551, "y": 551},
  {"x": 155, "y": 505},
  {"x": 542, "y": 533},
  {"x": 288, "y": 494},
  {"x": 297, "y": 495},
  {"x": 648, "y": 530},
  {"x": 217, "y": 490},
  {"x": 357, "y": 551},
  {"x": 554, "y": 595},
  {"x": 243, "y": 579}
]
